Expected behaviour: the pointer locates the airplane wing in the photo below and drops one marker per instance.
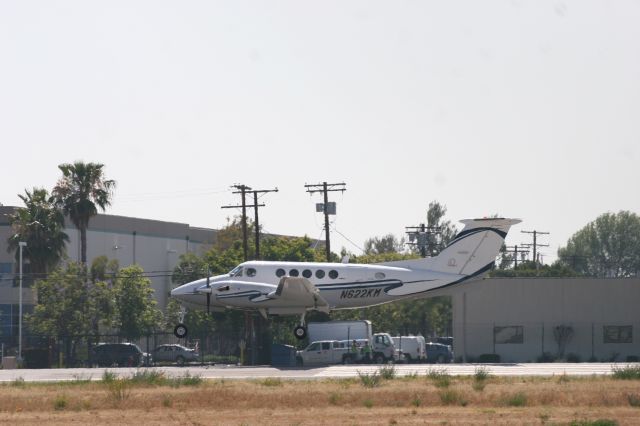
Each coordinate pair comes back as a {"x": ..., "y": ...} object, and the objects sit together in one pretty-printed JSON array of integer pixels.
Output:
[{"x": 301, "y": 292}]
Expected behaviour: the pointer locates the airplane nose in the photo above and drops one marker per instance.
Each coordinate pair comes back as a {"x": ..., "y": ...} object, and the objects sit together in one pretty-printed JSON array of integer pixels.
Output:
[{"x": 181, "y": 290}]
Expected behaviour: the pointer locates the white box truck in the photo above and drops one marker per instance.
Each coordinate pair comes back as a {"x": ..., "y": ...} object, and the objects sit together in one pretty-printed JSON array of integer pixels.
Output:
[
  {"x": 382, "y": 347},
  {"x": 411, "y": 348}
]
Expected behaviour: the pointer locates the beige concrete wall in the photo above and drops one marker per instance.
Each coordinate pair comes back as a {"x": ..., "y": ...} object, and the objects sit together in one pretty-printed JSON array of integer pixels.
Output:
[{"x": 538, "y": 306}]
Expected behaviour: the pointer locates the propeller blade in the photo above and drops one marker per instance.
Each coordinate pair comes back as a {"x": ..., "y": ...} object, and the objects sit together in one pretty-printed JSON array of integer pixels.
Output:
[{"x": 208, "y": 293}]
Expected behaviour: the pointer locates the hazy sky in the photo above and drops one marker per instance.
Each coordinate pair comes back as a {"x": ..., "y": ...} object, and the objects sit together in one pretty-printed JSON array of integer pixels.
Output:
[{"x": 528, "y": 109}]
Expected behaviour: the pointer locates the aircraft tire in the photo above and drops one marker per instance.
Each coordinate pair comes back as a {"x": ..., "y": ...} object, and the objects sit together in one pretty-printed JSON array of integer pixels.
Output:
[
  {"x": 180, "y": 331},
  {"x": 300, "y": 332}
]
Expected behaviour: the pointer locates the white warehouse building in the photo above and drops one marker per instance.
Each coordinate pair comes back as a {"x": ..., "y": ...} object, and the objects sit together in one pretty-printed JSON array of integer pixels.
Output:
[
  {"x": 154, "y": 245},
  {"x": 520, "y": 319}
]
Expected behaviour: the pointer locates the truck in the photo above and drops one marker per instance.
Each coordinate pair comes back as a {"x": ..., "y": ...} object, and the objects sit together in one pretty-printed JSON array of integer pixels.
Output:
[
  {"x": 382, "y": 347},
  {"x": 325, "y": 352},
  {"x": 411, "y": 348}
]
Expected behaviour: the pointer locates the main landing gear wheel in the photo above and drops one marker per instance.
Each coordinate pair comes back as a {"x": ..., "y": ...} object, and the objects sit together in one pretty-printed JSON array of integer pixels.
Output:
[
  {"x": 180, "y": 331},
  {"x": 300, "y": 332}
]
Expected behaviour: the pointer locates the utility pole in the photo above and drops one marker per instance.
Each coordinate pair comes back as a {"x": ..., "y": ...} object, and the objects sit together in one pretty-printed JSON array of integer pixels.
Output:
[
  {"x": 256, "y": 223},
  {"x": 325, "y": 188},
  {"x": 515, "y": 251},
  {"x": 242, "y": 189},
  {"x": 423, "y": 236},
  {"x": 535, "y": 243}
]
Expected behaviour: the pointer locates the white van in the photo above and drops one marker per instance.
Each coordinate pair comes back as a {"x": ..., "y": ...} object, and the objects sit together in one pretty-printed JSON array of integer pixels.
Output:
[{"x": 411, "y": 348}]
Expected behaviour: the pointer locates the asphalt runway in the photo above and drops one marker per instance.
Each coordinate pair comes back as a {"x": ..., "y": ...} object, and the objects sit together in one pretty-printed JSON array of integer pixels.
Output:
[{"x": 337, "y": 371}]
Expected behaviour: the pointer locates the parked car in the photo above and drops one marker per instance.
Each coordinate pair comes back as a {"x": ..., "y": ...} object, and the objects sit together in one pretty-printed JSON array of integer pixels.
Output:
[
  {"x": 175, "y": 353},
  {"x": 120, "y": 355},
  {"x": 445, "y": 340},
  {"x": 439, "y": 353}
]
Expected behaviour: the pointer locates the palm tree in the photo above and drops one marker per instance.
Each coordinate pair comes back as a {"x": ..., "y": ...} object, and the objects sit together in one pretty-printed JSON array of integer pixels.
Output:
[
  {"x": 81, "y": 190},
  {"x": 41, "y": 225}
]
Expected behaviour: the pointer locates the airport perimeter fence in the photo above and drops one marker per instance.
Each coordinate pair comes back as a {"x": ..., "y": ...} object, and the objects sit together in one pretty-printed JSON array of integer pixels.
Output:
[
  {"x": 249, "y": 344},
  {"x": 547, "y": 341}
]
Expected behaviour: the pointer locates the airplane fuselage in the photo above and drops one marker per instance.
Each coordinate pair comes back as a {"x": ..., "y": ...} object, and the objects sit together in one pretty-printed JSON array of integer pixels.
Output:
[{"x": 342, "y": 286}]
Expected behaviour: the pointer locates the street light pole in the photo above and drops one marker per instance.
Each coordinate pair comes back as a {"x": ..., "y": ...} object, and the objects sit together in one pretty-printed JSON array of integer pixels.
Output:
[{"x": 22, "y": 244}]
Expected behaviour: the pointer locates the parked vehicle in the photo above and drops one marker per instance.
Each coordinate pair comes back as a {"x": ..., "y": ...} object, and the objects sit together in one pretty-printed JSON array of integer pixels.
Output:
[
  {"x": 411, "y": 348},
  {"x": 325, "y": 352},
  {"x": 382, "y": 347},
  {"x": 174, "y": 353},
  {"x": 119, "y": 355},
  {"x": 439, "y": 353},
  {"x": 445, "y": 340}
]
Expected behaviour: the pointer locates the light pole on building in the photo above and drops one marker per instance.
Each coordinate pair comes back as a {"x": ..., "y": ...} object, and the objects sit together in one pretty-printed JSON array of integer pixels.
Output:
[{"x": 22, "y": 244}]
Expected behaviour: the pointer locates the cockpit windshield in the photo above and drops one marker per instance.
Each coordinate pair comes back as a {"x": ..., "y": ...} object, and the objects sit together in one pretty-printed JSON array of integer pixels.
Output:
[{"x": 236, "y": 272}]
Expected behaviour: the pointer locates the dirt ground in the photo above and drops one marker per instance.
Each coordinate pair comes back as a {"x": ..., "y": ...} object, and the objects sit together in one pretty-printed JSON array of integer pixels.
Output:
[{"x": 413, "y": 400}]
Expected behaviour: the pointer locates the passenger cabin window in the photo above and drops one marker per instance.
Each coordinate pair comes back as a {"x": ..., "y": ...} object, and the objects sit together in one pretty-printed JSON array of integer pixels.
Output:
[
  {"x": 236, "y": 272},
  {"x": 294, "y": 273},
  {"x": 314, "y": 347},
  {"x": 326, "y": 346},
  {"x": 280, "y": 272},
  {"x": 320, "y": 273},
  {"x": 306, "y": 273},
  {"x": 333, "y": 274},
  {"x": 223, "y": 288},
  {"x": 251, "y": 272}
]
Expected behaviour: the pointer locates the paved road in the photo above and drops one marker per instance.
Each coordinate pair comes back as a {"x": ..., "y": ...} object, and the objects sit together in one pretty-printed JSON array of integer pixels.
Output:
[{"x": 235, "y": 372}]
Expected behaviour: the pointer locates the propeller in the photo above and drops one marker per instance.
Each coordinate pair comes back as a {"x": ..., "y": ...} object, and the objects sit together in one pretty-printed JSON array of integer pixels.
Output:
[{"x": 209, "y": 291}]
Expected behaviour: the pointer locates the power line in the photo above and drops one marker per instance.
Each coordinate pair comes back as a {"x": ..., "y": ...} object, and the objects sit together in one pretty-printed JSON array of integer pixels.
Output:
[
  {"x": 255, "y": 210},
  {"x": 514, "y": 249},
  {"x": 535, "y": 243},
  {"x": 242, "y": 190},
  {"x": 424, "y": 237},
  {"x": 327, "y": 208}
]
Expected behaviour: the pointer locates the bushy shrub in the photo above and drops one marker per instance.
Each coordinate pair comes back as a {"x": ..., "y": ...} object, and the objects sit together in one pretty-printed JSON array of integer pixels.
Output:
[
  {"x": 546, "y": 357},
  {"x": 489, "y": 359},
  {"x": 388, "y": 372},
  {"x": 369, "y": 380},
  {"x": 573, "y": 357},
  {"x": 629, "y": 372}
]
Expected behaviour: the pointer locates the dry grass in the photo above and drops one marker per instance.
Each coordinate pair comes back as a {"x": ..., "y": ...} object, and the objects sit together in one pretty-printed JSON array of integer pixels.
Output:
[{"x": 395, "y": 401}]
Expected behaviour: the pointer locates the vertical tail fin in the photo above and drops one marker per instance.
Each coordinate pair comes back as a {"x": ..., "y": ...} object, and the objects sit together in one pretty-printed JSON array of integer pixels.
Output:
[
  {"x": 474, "y": 248},
  {"x": 471, "y": 252}
]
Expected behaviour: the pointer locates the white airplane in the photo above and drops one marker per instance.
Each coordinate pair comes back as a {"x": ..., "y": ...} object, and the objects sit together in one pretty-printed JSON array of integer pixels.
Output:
[{"x": 294, "y": 288}]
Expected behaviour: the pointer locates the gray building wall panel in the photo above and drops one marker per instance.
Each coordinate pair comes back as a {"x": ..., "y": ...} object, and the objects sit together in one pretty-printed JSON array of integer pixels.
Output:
[{"x": 536, "y": 306}]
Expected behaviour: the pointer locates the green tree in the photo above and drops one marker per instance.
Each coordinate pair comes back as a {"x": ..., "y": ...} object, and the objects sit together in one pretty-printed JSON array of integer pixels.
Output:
[
  {"x": 41, "y": 225},
  {"x": 447, "y": 231},
  {"x": 101, "y": 293},
  {"x": 137, "y": 313},
  {"x": 386, "y": 244},
  {"x": 80, "y": 192},
  {"x": 608, "y": 246},
  {"x": 292, "y": 249},
  {"x": 63, "y": 306},
  {"x": 531, "y": 269}
]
